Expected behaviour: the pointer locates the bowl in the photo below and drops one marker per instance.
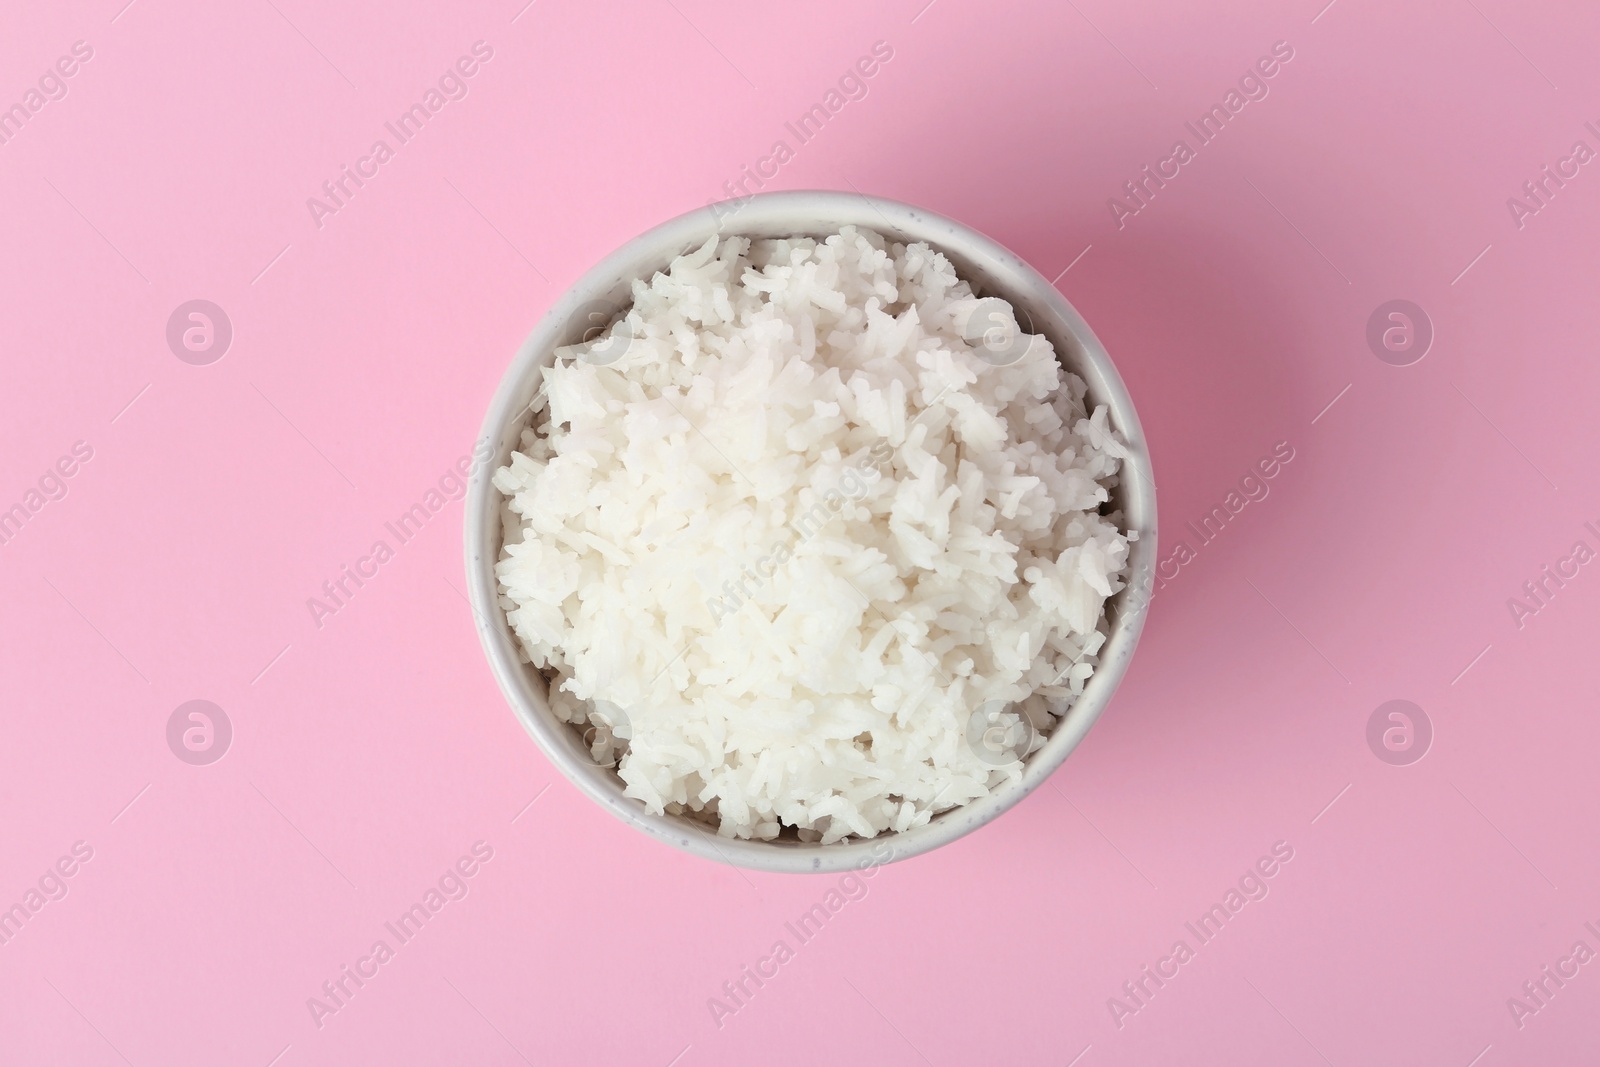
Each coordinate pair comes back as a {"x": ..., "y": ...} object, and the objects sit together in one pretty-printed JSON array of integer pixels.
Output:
[{"x": 991, "y": 270}]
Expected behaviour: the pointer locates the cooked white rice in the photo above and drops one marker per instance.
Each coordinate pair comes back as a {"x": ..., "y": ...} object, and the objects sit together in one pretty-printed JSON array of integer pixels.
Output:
[{"x": 785, "y": 541}]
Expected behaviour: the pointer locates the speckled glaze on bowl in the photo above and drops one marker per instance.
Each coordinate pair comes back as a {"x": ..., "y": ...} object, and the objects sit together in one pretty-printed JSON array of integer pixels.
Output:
[{"x": 992, "y": 271}]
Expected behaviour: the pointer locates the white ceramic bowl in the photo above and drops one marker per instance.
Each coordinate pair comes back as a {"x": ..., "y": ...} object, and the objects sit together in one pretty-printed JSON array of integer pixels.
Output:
[{"x": 992, "y": 271}]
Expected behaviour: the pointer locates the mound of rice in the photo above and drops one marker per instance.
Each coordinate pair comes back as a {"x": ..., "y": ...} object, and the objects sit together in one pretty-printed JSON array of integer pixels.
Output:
[{"x": 793, "y": 538}]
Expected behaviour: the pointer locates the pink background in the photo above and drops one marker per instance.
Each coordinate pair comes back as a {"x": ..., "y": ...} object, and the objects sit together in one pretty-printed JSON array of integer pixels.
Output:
[{"x": 369, "y": 754}]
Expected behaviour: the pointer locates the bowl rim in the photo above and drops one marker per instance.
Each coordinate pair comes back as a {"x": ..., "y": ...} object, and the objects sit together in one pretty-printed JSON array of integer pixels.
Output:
[{"x": 772, "y": 213}]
